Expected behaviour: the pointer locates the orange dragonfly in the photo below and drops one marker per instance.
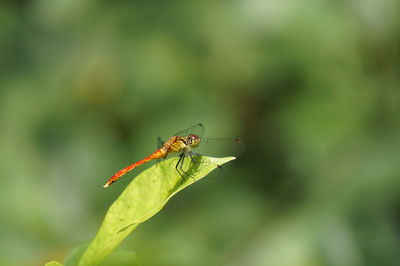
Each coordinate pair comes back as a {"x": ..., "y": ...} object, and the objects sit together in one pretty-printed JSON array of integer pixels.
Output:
[{"x": 187, "y": 143}]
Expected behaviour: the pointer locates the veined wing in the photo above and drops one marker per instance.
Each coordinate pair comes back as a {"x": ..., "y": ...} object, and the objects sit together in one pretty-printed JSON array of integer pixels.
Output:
[
  {"x": 197, "y": 129},
  {"x": 220, "y": 147}
]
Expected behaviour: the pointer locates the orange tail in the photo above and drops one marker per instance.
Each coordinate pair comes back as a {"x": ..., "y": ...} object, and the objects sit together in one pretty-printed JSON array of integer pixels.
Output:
[{"x": 160, "y": 153}]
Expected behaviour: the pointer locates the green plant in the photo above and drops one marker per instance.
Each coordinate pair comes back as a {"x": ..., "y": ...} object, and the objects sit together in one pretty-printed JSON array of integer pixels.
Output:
[{"x": 143, "y": 197}]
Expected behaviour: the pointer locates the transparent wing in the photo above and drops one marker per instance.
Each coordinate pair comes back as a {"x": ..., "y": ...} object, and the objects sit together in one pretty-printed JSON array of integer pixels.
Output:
[
  {"x": 197, "y": 129},
  {"x": 220, "y": 147},
  {"x": 159, "y": 142}
]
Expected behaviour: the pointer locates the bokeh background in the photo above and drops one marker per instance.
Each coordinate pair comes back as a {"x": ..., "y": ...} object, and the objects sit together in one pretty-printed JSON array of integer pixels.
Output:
[{"x": 311, "y": 86}]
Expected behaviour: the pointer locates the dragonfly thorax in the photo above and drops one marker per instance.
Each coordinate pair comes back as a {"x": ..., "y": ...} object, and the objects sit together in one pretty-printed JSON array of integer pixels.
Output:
[{"x": 178, "y": 144}]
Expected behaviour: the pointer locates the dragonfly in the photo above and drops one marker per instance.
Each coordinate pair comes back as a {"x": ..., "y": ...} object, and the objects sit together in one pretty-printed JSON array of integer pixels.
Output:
[{"x": 187, "y": 143}]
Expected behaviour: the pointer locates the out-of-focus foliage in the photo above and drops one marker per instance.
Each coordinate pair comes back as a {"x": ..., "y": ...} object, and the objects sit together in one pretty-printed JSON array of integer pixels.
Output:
[{"x": 311, "y": 86}]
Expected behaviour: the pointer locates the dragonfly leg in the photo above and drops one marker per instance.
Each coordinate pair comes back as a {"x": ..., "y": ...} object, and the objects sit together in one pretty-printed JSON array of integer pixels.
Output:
[
  {"x": 183, "y": 171},
  {"x": 192, "y": 154},
  {"x": 199, "y": 155},
  {"x": 178, "y": 166},
  {"x": 180, "y": 170},
  {"x": 195, "y": 153}
]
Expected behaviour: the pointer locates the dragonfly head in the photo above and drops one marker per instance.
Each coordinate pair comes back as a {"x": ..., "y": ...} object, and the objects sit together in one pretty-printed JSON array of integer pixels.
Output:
[{"x": 193, "y": 140}]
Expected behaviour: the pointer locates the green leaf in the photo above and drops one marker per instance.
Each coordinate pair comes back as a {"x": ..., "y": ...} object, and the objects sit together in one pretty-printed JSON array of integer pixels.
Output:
[
  {"x": 122, "y": 258},
  {"x": 142, "y": 198},
  {"x": 53, "y": 263},
  {"x": 74, "y": 256}
]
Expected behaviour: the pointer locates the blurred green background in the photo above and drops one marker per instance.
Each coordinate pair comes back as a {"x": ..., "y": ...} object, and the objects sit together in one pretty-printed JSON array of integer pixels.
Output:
[{"x": 311, "y": 86}]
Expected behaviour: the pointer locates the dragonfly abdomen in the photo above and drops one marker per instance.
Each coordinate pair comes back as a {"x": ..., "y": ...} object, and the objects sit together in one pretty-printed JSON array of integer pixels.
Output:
[{"x": 160, "y": 153}]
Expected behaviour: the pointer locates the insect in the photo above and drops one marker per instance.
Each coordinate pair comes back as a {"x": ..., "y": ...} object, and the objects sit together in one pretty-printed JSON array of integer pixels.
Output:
[{"x": 186, "y": 143}]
